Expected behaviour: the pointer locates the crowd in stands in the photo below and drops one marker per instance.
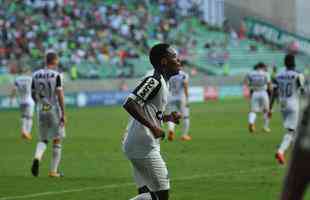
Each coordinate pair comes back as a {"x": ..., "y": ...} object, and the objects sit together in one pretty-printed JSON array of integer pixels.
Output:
[{"x": 94, "y": 32}]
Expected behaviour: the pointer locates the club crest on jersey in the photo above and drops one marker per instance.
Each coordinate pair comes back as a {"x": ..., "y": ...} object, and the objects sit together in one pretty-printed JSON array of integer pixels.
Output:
[{"x": 146, "y": 89}]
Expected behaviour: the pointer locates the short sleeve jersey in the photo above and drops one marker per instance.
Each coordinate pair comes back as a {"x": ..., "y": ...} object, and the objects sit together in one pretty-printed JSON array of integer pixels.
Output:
[{"x": 152, "y": 95}]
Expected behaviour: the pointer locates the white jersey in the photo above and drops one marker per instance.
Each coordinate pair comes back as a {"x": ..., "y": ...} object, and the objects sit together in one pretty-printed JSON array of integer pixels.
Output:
[
  {"x": 258, "y": 80},
  {"x": 152, "y": 95},
  {"x": 176, "y": 86},
  {"x": 45, "y": 82},
  {"x": 23, "y": 87},
  {"x": 289, "y": 83}
]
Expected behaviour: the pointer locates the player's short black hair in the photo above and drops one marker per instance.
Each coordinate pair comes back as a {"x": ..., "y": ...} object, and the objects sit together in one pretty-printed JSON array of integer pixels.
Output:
[
  {"x": 157, "y": 52},
  {"x": 289, "y": 61},
  {"x": 260, "y": 65},
  {"x": 50, "y": 57}
]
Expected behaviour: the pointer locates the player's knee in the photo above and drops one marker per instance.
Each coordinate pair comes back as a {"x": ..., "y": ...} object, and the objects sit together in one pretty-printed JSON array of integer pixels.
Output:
[
  {"x": 162, "y": 195},
  {"x": 143, "y": 189},
  {"x": 57, "y": 141}
]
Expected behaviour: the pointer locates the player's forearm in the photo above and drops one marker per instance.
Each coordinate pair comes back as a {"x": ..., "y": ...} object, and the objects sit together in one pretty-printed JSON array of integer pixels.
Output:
[
  {"x": 61, "y": 100},
  {"x": 136, "y": 112}
]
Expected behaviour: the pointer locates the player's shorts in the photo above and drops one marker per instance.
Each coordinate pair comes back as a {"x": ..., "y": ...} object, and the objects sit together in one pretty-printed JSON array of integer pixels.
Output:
[
  {"x": 26, "y": 109},
  {"x": 290, "y": 115},
  {"x": 151, "y": 172},
  {"x": 178, "y": 106},
  {"x": 259, "y": 101},
  {"x": 49, "y": 124}
]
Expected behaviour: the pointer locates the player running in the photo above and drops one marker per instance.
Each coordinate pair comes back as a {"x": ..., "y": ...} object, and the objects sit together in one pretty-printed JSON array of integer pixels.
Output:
[
  {"x": 47, "y": 91},
  {"x": 22, "y": 87},
  {"x": 146, "y": 104},
  {"x": 259, "y": 83},
  {"x": 178, "y": 102},
  {"x": 289, "y": 84}
]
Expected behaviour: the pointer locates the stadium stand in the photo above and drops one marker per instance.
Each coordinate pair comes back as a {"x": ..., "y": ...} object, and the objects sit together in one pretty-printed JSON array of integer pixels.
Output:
[{"x": 109, "y": 39}]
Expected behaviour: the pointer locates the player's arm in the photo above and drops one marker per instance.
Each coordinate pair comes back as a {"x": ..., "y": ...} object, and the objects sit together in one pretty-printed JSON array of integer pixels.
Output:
[
  {"x": 33, "y": 92},
  {"x": 61, "y": 99},
  {"x": 186, "y": 91},
  {"x": 274, "y": 95},
  {"x": 136, "y": 100},
  {"x": 301, "y": 83}
]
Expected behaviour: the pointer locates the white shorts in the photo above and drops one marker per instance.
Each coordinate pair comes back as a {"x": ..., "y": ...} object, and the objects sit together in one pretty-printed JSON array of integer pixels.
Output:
[
  {"x": 178, "y": 106},
  {"x": 259, "y": 101},
  {"x": 151, "y": 172},
  {"x": 49, "y": 125},
  {"x": 290, "y": 116},
  {"x": 26, "y": 109}
]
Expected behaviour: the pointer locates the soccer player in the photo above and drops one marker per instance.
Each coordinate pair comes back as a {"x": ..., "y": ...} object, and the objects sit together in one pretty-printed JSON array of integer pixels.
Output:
[
  {"x": 178, "y": 102},
  {"x": 298, "y": 175},
  {"x": 289, "y": 84},
  {"x": 259, "y": 82},
  {"x": 146, "y": 105},
  {"x": 48, "y": 94},
  {"x": 22, "y": 87}
]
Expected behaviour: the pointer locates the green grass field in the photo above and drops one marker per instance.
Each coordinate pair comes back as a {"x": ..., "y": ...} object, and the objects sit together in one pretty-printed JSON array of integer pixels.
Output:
[{"x": 222, "y": 162}]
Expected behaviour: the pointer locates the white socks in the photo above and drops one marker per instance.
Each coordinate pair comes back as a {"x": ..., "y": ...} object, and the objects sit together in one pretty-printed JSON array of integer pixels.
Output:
[
  {"x": 41, "y": 147},
  {"x": 286, "y": 141},
  {"x": 171, "y": 126},
  {"x": 26, "y": 125},
  {"x": 252, "y": 117},
  {"x": 185, "y": 126},
  {"x": 144, "y": 196},
  {"x": 266, "y": 120},
  {"x": 56, "y": 157}
]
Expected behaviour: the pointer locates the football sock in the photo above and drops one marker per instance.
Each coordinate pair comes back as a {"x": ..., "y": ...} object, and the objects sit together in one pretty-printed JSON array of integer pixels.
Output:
[
  {"x": 24, "y": 125},
  {"x": 56, "y": 157},
  {"x": 252, "y": 117},
  {"x": 266, "y": 120},
  {"x": 144, "y": 196},
  {"x": 286, "y": 141},
  {"x": 29, "y": 125},
  {"x": 171, "y": 126},
  {"x": 41, "y": 147},
  {"x": 185, "y": 126}
]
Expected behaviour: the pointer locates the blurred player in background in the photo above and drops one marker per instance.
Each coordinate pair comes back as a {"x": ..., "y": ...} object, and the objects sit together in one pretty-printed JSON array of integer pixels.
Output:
[
  {"x": 22, "y": 88},
  {"x": 47, "y": 91},
  {"x": 289, "y": 85},
  {"x": 259, "y": 83},
  {"x": 178, "y": 102},
  {"x": 298, "y": 175},
  {"x": 146, "y": 105}
]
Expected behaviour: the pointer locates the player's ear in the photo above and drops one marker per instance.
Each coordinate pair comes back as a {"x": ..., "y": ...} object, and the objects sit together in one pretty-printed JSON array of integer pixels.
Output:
[{"x": 163, "y": 61}]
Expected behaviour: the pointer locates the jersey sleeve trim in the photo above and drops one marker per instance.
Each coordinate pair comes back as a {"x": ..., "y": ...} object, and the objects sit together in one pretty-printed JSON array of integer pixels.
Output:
[{"x": 146, "y": 90}]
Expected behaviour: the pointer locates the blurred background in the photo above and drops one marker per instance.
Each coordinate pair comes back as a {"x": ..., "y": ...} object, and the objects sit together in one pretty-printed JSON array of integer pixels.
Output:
[{"x": 103, "y": 44}]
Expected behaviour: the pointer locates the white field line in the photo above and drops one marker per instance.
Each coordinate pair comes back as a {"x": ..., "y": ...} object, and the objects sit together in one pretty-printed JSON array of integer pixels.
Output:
[{"x": 113, "y": 186}]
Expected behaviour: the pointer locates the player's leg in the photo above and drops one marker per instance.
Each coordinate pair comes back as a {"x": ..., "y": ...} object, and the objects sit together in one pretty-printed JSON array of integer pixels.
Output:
[
  {"x": 290, "y": 120},
  {"x": 41, "y": 145},
  {"x": 56, "y": 158},
  {"x": 186, "y": 122},
  {"x": 25, "y": 116},
  {"x": 172, "y": 107},
  {"x": 266, "y": 109},
  {"x": 252, "y": 114}
]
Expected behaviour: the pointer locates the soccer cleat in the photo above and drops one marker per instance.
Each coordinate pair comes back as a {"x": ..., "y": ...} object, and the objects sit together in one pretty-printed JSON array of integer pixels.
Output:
[
  {"x": 171, "y": 136},
  {"x": 55, "y": 175},
  {"x": 186, "y": 138},
  {"x": 280, "y": 158},
  {"x": 252, "y": 128},
  {"x": 35, "y": 167},
  {"x": 266, "y": 130},
  {"x": 26, "y": 136}
]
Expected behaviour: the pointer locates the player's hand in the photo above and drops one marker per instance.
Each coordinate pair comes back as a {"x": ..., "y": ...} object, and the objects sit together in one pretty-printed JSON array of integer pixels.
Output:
[
  {"x": 63, "y": 121},
  {"x": 158, "y": 132},
  {"x": 175, "y": 117}
]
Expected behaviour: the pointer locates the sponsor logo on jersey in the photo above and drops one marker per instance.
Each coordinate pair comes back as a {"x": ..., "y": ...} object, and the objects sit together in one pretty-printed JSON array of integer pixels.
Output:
[{"x": 147, "y": 88}]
